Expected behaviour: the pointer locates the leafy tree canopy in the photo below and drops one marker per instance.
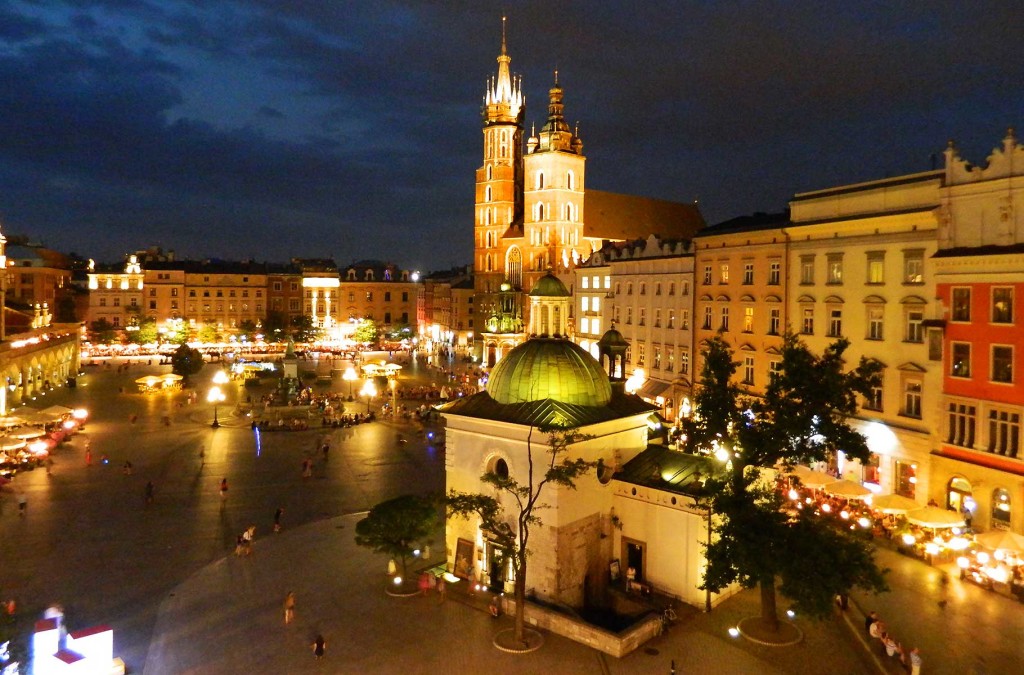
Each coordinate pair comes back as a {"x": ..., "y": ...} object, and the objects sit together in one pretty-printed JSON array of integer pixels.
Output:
[
  {"x": 802, "y": 417},
  {"x": 186, "y": 361},
  {"x": 367, "y": 332},
  {"x": 398, "y": 526}
]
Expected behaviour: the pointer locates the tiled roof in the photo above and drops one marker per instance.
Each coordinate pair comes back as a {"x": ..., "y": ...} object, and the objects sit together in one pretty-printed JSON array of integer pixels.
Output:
[{"x": 666, "y": 469}]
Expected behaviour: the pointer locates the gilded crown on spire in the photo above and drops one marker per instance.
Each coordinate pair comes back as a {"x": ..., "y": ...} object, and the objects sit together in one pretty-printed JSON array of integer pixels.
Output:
[{"x": 504, "y": 101}]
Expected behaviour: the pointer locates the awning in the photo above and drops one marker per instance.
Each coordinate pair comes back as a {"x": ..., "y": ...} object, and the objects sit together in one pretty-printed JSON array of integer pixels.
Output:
[{"x": 652, "y": 389}]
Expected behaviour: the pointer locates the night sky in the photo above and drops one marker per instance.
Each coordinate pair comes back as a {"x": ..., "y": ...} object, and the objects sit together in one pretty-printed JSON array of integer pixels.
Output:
[{"x": 274, "y": 129}]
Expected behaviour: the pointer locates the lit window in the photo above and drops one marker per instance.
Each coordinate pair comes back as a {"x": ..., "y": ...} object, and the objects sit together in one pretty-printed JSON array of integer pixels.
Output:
[
  {"x": 1002, "y": 305},
  {"x": 960, "y": 360},
  {"x": 876, "y": 267}
]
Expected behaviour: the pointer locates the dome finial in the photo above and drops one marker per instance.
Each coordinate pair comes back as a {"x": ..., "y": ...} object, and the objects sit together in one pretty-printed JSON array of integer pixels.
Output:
[{"x": 503, "y": 19}]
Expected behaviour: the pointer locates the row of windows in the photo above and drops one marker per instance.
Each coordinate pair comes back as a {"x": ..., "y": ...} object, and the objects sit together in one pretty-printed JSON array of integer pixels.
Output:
[
  {"x": 684, "y": 317},
  {"x": 540, "y": 180},
  {"x": 913, "y": 322},
  {"x": 542, "y": 211},
  {"x": 595, "y": 282},
  {"x": 668, "y": 364},
  {"x": 1000, "y": 362},
  {"x": 1000, "y": 305},
  {"x": 774, "y": 273},
  {"x": 912, "y": 271},
  {"x": 1002, "y": 435},
  {"x": 642, "y": 287}
]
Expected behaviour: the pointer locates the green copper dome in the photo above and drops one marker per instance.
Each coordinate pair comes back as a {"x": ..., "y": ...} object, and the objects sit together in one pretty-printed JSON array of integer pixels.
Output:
[
  {"x": 548, "y": 286},
  {"x": 545, "y": 368}
]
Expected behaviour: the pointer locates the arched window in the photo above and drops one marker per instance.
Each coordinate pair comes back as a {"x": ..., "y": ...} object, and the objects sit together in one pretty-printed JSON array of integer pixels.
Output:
[
  {"x": 540, "y": 180},
  {"x": 570, "y": 180},
  {"x": 488, "y": 194},
  {"x": 499, "y": 467},
  {"x": 514, "y": 267},
  {"x": 490, "y": 172},
  {"x": 487, "y": 219},
  {"x": 488, "y": 264}
]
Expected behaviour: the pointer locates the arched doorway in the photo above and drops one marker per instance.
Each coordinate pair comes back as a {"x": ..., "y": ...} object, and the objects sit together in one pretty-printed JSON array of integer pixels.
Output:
[{"x": 959, "y": 495}]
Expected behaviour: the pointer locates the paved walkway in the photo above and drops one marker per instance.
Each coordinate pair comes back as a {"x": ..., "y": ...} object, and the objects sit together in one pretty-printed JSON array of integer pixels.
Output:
[{"x": 228, "y": 618}]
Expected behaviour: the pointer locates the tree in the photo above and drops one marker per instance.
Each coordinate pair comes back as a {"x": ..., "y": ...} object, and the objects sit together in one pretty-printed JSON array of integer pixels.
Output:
[
  {"x": 367, "y": 332},
  {"x": 274, "y": 326},
  {"x": 247, "y": 329},
  {"x": 186, "y": 361},
  {"x": 398, "y": 332},
  {"x": 145, "y": 333},
  {"x": 396, "y": 527},
  {"x": 208, "y": 334},
  {"x": 803, "y": 417},
  {"x": 304, "y": 329},
  {"x": 103, "y": 332},
  {"x": 512, "y": 534}
]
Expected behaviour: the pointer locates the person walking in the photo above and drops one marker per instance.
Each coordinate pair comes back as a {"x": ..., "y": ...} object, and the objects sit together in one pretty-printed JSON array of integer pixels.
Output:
[
  {"x": 319, "y": 647},
  {"x": 223, "y": 488},
  {"x": 289, "y": 607},
  {"x": 150, "y": 489},
  {"x": 202, "y": 456},
  {"x": 442, "y": 588},
  {"x": 277, "y": 518},
  {"x": 22, "y": 504},
  {"x": 88, "y": 456},
  {"x": 915, "y": 661}
]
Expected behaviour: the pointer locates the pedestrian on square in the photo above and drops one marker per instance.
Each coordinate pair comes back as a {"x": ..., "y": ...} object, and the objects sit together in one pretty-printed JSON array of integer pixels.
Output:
[
  {"x": 247, "y": 537},
  {"x": 22, "y": 504},
  {"x": 877, "y": 629},
  {"x": 202, "y": 456},
  {"x": 915, "y": 661},
  {"x": 150, "y": 489},
  {"x": 223, "y": 488},
  {"x": 319, "y": 647},
  {"x": 88, "y": 456},
  {"x": 870, "y": 619},
  {"x": 277, "y": 518},
  {"x": 289, "y": 607},
  {"x": 442, "y": 588}
]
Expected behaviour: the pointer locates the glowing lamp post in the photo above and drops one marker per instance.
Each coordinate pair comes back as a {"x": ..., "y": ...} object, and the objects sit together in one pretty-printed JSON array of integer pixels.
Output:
[
  {"x": 350, "y": 376},
  {"x": 369, "y": 391}
]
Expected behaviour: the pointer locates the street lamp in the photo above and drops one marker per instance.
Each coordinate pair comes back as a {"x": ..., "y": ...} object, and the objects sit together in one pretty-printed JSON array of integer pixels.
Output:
[
  {"x": 350, "y": 376},
  {"x": 216, "y": 395},
  {"x": 369, "y": 391}
]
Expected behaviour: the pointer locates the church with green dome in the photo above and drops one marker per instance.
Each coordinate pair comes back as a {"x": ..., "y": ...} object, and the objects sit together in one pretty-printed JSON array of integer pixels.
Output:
[{"x": 547, "y": 381}]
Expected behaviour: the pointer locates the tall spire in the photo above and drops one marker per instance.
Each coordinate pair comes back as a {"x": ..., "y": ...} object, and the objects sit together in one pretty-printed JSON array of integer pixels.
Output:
[{"x": 504, "y": 101}]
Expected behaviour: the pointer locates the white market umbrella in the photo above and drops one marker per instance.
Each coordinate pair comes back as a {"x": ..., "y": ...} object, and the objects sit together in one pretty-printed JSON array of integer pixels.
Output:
[
  {"x": 847, "y": 489},
  {"x": 56, "y": 411},
  {"x": 1001, "y": 540},
  {"x": 933, "y": 516},
  {"x": 894, "y": 504},
  {"x": 11, "y": 421},
  {"x": 27, "y": 434},
  {"x": 810, "y": 477},
  {"x": 11, "y": 443}
]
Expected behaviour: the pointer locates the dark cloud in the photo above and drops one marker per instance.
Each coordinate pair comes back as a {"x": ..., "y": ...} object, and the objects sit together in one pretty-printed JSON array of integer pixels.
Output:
[{"x": 271, "y": 128}]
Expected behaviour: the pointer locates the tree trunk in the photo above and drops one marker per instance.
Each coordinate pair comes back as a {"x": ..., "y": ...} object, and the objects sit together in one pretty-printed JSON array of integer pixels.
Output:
[
  {"x": 769, "y": 613},
  {"x": 520, "y": 595}
]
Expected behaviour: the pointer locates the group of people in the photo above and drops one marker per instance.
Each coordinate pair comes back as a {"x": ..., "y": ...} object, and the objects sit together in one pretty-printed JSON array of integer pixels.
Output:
[{"x": 877, "y": 629}]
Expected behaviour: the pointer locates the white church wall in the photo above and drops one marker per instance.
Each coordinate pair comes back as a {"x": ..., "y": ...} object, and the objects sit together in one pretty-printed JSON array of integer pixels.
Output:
[{"x": 672, "y": 534}]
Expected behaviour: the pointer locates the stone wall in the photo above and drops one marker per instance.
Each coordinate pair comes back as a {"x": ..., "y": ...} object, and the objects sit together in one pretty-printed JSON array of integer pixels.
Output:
[{"x": 614, "y": 644}]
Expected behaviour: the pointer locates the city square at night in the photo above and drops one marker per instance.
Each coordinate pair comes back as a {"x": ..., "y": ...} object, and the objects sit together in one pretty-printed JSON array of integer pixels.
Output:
[{"x": 300, "y": 373}]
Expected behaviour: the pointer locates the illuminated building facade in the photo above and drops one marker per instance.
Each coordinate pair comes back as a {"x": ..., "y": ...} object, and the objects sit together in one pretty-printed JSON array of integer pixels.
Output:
[
  {"x": 860, "y": 267},
  {"x": 979, "y": 271},
  {"x": 115, "y": 293},
  {"x": 532, "y": 212}
]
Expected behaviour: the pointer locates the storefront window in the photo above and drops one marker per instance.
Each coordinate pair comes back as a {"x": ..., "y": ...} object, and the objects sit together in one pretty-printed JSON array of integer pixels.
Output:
[
  {"x": 905, "y": 480},
  {"x": 1001, "y": 509},
  {"x": 871, "y": 470}
]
